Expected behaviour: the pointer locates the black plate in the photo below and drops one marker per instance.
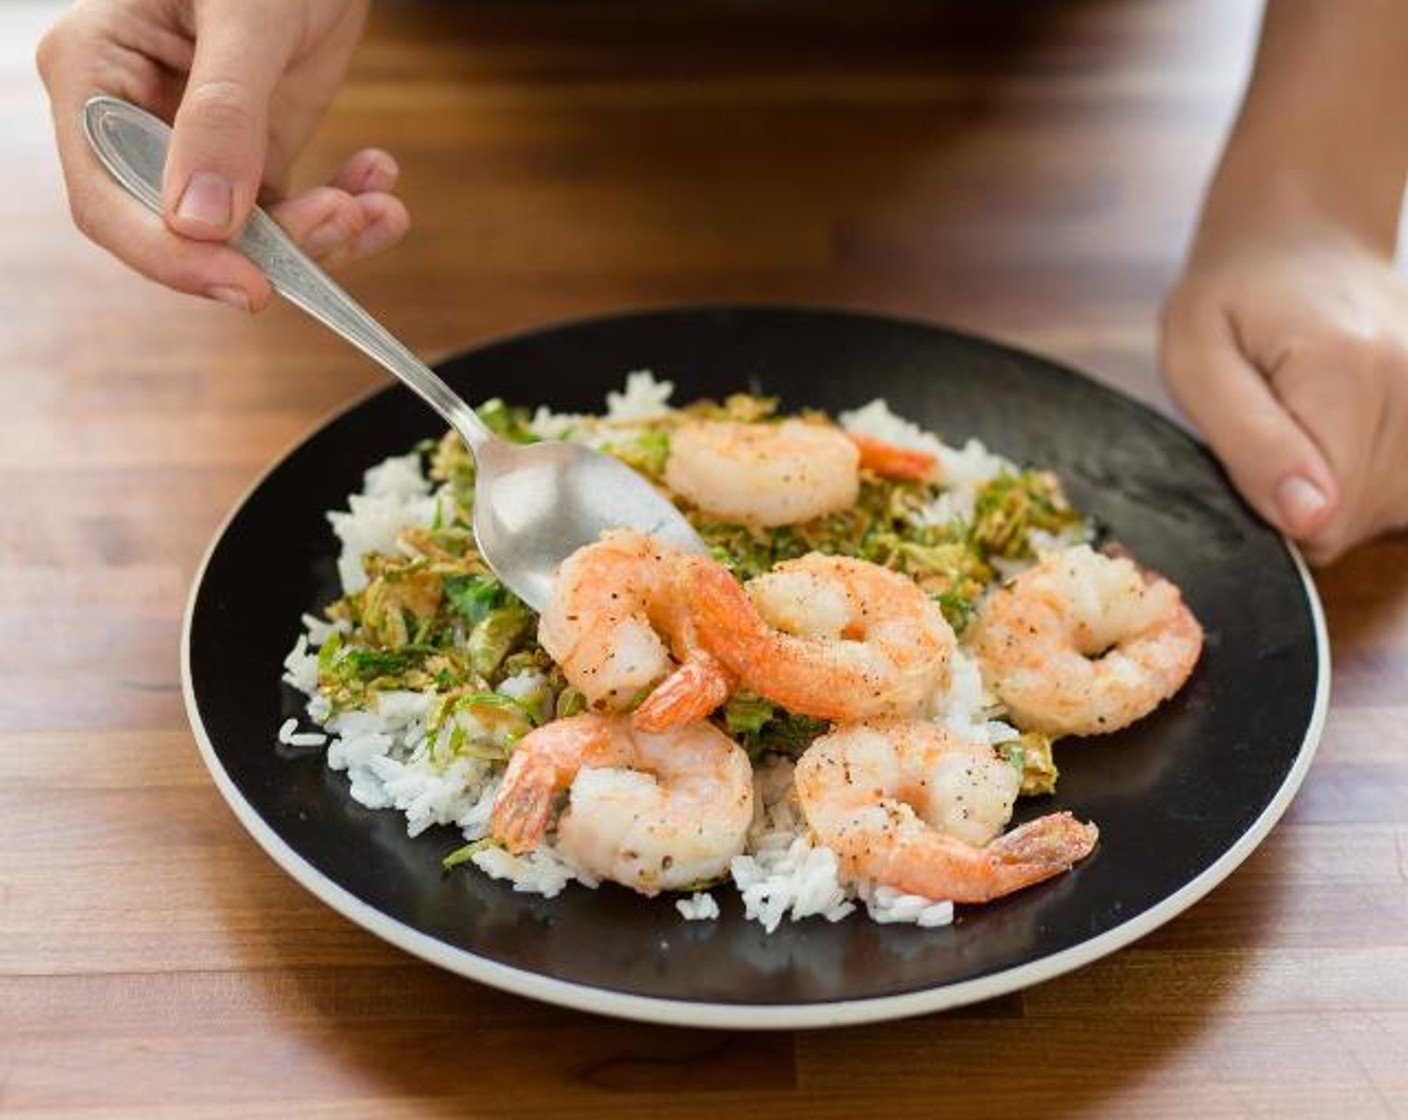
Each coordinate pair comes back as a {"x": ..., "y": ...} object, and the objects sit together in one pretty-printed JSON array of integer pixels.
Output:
[{"x": 1181, "y": 799}]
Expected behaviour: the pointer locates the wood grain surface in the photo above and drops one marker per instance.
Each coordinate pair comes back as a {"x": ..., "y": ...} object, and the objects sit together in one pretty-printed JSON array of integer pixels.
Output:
[{"x": 1028, "y": 170}]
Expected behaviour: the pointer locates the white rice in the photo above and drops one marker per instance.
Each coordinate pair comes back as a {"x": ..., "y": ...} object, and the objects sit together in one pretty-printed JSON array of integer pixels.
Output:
[
  {"x": 301, "y": 669},
  {"x": 962, "y": 468},
  {"x": 541, "y": 871},
  {"x": 885, "y": 905},
  {"x": 643, "y": 398},
  {"x": 391, "y": 764},
  {"x": 698, "y": 907},
  {"x": 395, "y": 496},
  {"x": 782, "y": 873},
  {"x": 290, "y": 736}
]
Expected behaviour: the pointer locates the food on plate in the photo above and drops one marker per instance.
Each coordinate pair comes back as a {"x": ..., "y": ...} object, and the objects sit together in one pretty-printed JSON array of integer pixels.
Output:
[
  {"x": 1085, "y": 643},
  {"x": 906, "y": 803},
  {"x": 834, "y": 637},
  {"x": 840, "y": 707},
  {"x": 618, "y": 626},
  {"x": 650, "y": 811},
  {"x": 763, "y": 474}
]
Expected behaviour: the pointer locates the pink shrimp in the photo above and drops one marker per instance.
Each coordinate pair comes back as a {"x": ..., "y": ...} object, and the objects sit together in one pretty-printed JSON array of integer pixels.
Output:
[
  {"x": 1085, "y": 643},
  {"x": 826, "y": 636},
  {"x": 616, "y": 616},
  {"x": 653, "y": 812},
  {"x": 763, "y": 474},
  {"x": 905, "y": 804}
]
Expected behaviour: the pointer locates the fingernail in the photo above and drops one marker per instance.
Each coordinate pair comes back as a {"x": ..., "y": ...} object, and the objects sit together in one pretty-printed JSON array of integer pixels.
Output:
[
  {"x": 235, "y": 297},
  {"x": 208, "y": 199},
  {"x": 1300, "y": 501},
  {"x": 380, "y": 176},
  {"x": 325, "y": 238}
]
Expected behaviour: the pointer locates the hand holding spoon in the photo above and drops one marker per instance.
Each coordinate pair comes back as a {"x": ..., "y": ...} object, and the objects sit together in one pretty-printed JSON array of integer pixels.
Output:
[{"x": 534, "y": 504}]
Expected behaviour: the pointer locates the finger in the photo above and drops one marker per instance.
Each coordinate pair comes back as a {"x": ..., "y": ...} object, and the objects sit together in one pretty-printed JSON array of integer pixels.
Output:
[
  {"x": 1273, "y": 461},
  {"x": 1332, "y": 391},
  {"x": 312, "y": 79},
  {"x": 71, "y": 62},
  {"x": 142, "y": 240},
  {"x": 220, "y": 134},
  {"x": 335, "y": 227},
  {"x": 367, "y": 171},
  {"x": 387, "y": 223},
  {"x": 1348, "y": 387},
  {"x": 1322, "y": 555}
]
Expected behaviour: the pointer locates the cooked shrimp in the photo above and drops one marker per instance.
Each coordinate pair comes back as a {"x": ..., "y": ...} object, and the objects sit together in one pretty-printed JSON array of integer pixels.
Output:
[
  {"x": 827, "y": 636},
  {"x": 1085, "y": 643},
  {"x": 889, "y": 460},
  {"x": 652, "y": 812},
  {"x": 763, "y": 474},
  {"x": 690, "y": 693},
  {"x": 905, "y": 804},
  {"x": 616, "y": 615}
]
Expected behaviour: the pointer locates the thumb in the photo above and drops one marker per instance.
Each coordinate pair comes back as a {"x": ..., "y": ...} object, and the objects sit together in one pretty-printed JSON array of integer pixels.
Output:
[
  {"x": 220, "y": 134},
  {"x": 1273, "y": 462}
]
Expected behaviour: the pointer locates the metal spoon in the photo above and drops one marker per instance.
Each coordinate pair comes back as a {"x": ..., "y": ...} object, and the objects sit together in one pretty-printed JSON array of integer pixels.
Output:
[{"x": 534, "y": 504}]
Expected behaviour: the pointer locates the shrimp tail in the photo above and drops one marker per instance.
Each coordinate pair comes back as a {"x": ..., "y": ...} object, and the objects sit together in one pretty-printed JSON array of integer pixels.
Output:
[
  {"x": 730, "y": 627},
  {"x": 891, "y": 461},
  {"x": 688, "y": 694},
  {"x": 542, "y": 766},
  {"x": 938, "y": 866},
  {"x": 524, "y": 803},
  {"x": 1036, "y": 851},
  {"x": 1057, "y": 840}
]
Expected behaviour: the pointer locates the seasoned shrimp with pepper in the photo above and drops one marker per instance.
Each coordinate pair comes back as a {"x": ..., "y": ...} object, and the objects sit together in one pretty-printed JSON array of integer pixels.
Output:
[
  {"x": 767, "y": 475},
  {"x": 618, "y": 627},
  {"x": 763, "y": 474},
  {"x": 652, "y": 812},
  {"x": 906, "y": 804},
  {"x": 826, "y": 636},
  {"x": 1085, "y": 643}
]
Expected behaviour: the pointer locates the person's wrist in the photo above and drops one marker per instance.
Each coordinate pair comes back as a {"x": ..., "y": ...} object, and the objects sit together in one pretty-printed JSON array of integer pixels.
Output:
[
  {"x": 1280, "y": 215},
  {"x": 1268, "y": 192}
]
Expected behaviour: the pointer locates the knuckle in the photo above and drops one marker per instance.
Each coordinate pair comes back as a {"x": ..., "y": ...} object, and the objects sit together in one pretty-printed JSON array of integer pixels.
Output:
[
  {"x": 1176, "y": 314},
  {"x": 1261, "y": 428},
  {"x": 1188, "y": 322},
  {"x": 51, "y": 49},
  {"x": 1178, "y": 347},
  {"x": 46, "y": 53},
  {"x": 1393, "y": 351},
  {"x": 221, "y": 106},
  {"x": 1354, "y": 349},
  {"x": 84, "y": 217},
  {"x": 71, "y": 39},
  {"x": 1357, "y": 365},
  {"x": 1356, "y": 345},
  {"x": 1354, "y": 358}
]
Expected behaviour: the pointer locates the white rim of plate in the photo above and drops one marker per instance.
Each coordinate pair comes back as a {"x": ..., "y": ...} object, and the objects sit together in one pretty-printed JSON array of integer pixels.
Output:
[{"x": 744, "y": 1016}]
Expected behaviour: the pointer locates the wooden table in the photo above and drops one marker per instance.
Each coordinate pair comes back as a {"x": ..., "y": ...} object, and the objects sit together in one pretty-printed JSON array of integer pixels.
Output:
[{"x": 1034, "y": 179}]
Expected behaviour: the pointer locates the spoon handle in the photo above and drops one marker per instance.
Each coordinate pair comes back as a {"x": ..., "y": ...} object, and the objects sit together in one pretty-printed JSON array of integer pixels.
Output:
[{"x": 132, "y": 144}]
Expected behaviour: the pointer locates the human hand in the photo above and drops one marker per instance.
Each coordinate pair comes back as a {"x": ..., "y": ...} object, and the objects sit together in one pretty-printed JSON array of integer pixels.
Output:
[
  {"x": 244, "y": 83},
  {"x": 1290, "y": 351}
]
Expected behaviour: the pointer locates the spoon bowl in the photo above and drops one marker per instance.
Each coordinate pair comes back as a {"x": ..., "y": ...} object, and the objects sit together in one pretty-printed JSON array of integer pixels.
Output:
[
  {"x": 534, "y": 504},
  {"x": 537, "y": 503}
]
